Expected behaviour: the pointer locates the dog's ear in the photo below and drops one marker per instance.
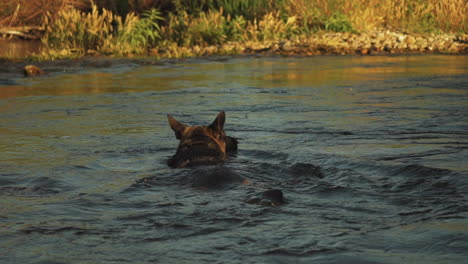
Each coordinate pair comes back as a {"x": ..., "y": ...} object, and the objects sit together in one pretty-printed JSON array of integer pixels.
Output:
[
  {"x": 176, "y": 126},
  {"x": 218, "y": 123}
]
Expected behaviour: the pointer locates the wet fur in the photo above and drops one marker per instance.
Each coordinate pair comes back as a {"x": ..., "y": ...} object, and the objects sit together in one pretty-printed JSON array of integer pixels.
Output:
[{"x": 201, "y": 144}]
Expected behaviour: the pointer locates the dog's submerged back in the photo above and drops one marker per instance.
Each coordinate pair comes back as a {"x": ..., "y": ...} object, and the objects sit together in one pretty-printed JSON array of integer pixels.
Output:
[{"x": 201, "y": 144}]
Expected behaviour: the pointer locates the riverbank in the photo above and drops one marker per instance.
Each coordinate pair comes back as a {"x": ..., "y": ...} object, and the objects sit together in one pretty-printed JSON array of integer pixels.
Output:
[
  {"x": 287, "y": 28},
  {"x": 327, "y": 43},
  {"x": 382, "y": 42}
]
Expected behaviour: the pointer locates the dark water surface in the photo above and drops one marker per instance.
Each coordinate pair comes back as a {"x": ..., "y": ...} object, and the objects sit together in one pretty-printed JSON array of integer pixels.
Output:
[{"x": 83, "y": 177}]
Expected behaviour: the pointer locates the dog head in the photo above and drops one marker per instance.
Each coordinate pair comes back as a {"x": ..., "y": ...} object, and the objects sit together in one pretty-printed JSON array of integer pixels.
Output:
[{"x": 201, "y": 144}]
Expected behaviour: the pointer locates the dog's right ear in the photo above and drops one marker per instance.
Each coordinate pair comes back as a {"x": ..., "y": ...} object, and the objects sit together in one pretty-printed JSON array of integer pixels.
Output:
[
  {"x": 178, "y": 127},
  {"x": 218, "y": 124}
]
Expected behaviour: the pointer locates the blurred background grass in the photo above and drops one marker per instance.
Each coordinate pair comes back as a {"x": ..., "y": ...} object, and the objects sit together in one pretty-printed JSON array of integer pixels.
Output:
[
  {"x": 125, "y": 27},
  {"x": 342, "y": 15}
]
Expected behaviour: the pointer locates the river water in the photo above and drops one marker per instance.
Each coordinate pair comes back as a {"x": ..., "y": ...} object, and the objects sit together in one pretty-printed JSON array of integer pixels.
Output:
[{"x": 370, "y": 152}]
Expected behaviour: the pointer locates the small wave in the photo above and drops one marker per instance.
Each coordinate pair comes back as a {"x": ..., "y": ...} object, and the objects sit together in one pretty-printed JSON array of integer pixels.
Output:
[
  {"x": 135, "y": 217},
  {"x": 264, "y": 155},
  {"x": 418, "y": 170},
  {"x": 425, "y": 181},
  {"x": 213, "y": 177},
  {"x": 205, "y": 177},
  {"x": 22, "y": 191},
  {"x": 53, "y": 230},
  {"x": 82, "y": 167},
  {"x": 328, "y": 188},
  {"x": 171, "y": 225},
  {"x": 314, "y": 250},
  {"x": 9, "y": 178},
  {"x": 305, "y": 169},
  {"x": 146, "y": 150},
  {"x": 415, "y": 212}
]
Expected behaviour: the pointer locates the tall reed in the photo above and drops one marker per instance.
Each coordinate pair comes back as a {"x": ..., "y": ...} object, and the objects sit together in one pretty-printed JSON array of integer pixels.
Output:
[
  {"x": 363, "y": 15},
  {"x": 77, "y": 27},
  {"x": 77, "y": 32}
]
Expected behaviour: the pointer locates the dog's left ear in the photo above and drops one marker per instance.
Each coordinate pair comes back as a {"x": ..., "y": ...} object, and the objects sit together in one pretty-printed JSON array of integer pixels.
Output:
[
  {"x": 218, "y": 123},
  {"x": 177, "y": 126}
]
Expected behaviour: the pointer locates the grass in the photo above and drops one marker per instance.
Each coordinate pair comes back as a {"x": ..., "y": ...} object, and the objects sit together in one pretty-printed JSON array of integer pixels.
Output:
[
  {"x": 76, "y": 33},
  {"x": 207, "y": 28},
  {"x": 416, "y": 16},
  {"x": 129, "y": 27}
]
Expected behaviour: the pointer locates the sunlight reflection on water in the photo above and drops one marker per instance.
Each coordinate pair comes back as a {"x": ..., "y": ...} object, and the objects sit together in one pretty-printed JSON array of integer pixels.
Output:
[{"x": 83, "y": 155}]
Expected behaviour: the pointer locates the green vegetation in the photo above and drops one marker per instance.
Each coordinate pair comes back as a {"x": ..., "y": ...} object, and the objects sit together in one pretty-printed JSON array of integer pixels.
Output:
[
  {"x": 76, "y": 33},
  {"x": 138, "y": 27},
  {"x": 338, "y": 22}
]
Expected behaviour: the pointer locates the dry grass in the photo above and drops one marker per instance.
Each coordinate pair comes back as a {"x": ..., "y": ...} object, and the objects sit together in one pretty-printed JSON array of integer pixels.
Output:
[
  {"x": 32, "y": 12},
  {"x": 187, "y": 30},
  {"x": 79, "y": 26},
  {"x": 405, "y": 15},
  {"x": 74, "y": 33},
  {"x": 422, "y": 16},
  {"x": 270, "y": 28},
  {"x": 311, "y": 15}
]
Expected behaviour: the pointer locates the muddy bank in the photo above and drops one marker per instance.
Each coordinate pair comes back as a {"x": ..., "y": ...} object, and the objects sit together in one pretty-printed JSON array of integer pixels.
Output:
[{"x": 373, "y": 43}]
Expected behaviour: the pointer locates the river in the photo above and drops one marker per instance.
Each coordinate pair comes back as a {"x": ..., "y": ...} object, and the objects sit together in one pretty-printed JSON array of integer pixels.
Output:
[{"x": 371, "y": 154}]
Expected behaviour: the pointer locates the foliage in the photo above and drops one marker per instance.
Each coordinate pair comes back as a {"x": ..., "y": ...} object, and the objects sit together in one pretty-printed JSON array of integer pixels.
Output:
[
  {"x": 145, "y": 32},
  {"x": 364, "y": 15},
  {"x": 249, "y": 9},
  {"x": 209, "y": 28},
  {"x": 270, "y": 28},
  {"x": 31, "y": 12},
  {"x": 77, "y": 27},
  {"x": 338, "y": 22},
  {"x": 311, "y": 15},
  {"x": 235, "y": 28},
  {"x": 308, "y": 15},
  {"x": 79, "y": 32},
  {"x": 212, "y": 28}
]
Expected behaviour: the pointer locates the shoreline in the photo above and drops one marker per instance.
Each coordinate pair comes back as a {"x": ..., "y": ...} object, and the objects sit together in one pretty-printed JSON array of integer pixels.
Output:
[
  {"x": 15, "y": 68},
  {"x": 372, "y": 43},
  {"x": 383, "y": 42}
]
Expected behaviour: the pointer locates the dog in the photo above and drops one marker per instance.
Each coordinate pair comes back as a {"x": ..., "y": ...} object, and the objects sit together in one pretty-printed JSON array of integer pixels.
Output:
[{"x": 200, "y": 145}]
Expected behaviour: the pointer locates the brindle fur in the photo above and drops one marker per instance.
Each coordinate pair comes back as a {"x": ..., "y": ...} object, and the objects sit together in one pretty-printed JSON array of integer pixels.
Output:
[{"x": 201, "y": 144}]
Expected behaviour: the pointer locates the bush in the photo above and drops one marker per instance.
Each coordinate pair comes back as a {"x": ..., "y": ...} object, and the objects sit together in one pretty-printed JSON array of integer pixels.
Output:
[
  {"x": 188, "y": 30},
  {"x": 77, "y": 32},
  {"x": 209, "y": 28},
  {"x": 248, "y": 9},
  {"x": 338, "y": 22},
  {"x": 144, "y": 33},
  {"x": 271, "y": 28}
]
